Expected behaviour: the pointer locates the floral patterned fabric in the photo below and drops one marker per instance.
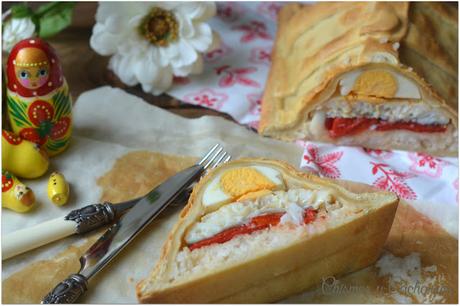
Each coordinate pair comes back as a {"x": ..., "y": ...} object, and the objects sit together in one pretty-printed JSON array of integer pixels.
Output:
[
  {"x": 234, "y": 74},
  {"x": 429, "y": 183},
  {"x": 233, "y": 82},
  {"x": 410, "y": 175}
]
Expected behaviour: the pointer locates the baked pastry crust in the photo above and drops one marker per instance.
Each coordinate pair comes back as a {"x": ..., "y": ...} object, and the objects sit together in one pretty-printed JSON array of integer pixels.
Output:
[
  {"x": 287, "y": 270},
  {"x": 316, "y": 44}
]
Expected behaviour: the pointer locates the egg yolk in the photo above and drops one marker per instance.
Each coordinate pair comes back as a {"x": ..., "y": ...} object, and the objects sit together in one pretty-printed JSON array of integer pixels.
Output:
[
  {"x": 240, "y": 181},
  {"x": 376, "y": 83}
]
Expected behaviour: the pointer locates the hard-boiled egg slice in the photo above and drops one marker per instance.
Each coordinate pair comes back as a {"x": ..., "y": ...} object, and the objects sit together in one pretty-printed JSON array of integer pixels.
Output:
[
  {"x": 378, "y": 82},
  {"x": 241, "y": 182}
]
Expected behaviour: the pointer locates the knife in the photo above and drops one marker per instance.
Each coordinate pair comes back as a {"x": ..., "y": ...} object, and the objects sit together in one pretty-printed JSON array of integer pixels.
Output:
[
  {"x": 78, "y": 221},
  {"x": 128, "y": 226}
]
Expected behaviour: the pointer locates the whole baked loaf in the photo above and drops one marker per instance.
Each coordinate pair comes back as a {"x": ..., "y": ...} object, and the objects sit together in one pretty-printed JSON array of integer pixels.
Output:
[
  {"x": 381, "y": 75},
  {"x": 257, "y": 230}
]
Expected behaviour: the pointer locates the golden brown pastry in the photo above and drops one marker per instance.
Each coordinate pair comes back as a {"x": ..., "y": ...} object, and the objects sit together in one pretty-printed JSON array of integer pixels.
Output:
[
  {"x": 381, "y": 75},
  {"x": 257, "y": 230}
]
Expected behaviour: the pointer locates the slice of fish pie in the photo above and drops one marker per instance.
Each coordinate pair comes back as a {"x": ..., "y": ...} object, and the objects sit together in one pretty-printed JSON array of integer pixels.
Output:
[{"x": 257, "y": 230}]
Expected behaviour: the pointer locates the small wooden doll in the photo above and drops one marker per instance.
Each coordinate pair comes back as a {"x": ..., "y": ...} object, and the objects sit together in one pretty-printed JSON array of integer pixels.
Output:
[
  {"x": 15, "y": 195},
  {"x": 38, "y": 99}
]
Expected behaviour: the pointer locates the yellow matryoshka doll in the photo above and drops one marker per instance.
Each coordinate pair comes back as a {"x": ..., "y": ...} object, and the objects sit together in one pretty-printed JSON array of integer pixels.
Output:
[{"x": 38, "y": 99}]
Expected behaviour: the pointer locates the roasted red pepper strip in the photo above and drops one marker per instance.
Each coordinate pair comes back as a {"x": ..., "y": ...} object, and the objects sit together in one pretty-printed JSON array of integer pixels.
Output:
[
  {"x": 339, "y": 127},
  {"x": 255, "y": 224},
  {"x": 411, "y": 126}
]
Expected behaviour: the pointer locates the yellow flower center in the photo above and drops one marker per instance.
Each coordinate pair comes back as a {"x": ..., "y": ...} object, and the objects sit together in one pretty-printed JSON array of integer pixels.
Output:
[{"x": 159, "y": 27}]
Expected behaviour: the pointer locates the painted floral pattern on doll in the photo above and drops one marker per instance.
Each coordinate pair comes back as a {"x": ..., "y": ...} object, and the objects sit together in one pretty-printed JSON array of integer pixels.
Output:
[{"x": 38, "y": 99}]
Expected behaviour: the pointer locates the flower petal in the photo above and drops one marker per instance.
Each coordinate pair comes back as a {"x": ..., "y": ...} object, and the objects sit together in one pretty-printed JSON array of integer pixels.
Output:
[
  {"x": 122, "y": 66},
  {"x": 168, "y": 54},
  {"x": 121, "y": 9},
  {"x": 103, "y": 42},
  {"x": 187, "y": 55},
  {"x": 194, "y": 68},
  {"x": 115, "y": 24},
  {"x": 16, "y": 30},
  {"x": 111, "y": 33},
  {"x": 182, "y": 71},
  {"x": 147, "y": 68},
  {"x": 186, "y": 27},
  {"x": 198, "y": 11},
  {"x": 167, "y": 5},
  {"x": 203, "y": 38},
  {"x": 161, "y": 83}
]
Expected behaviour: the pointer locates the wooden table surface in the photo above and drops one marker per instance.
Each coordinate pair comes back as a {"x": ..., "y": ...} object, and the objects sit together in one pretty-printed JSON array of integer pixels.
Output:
[{"x": 84, "y": 69}]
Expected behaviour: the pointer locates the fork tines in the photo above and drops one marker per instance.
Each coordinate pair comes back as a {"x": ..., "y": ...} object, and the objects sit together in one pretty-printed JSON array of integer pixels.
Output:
[{"x": 215, "y": 156}]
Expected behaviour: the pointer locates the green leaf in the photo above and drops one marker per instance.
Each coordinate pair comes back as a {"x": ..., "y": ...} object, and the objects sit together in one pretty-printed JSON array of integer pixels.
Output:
[
  {"x": 45, "y": 8},
  {"x": 54, "y": 17},
  {"x": 17, "y": 112},
  {"x": 21, "y": 11},
  {"x": 62, "y": 104},
  {"x": 55, "y": 145}
]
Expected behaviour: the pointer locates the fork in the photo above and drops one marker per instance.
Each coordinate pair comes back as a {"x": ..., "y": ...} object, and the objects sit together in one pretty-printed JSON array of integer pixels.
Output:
[{"x": 93, "y": 216}]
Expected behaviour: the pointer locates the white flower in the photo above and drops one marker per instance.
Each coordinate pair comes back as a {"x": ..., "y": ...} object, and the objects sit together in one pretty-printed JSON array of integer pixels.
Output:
[
  {"x": 150, "y": 42},
  {"x": 15, "y": 30}
]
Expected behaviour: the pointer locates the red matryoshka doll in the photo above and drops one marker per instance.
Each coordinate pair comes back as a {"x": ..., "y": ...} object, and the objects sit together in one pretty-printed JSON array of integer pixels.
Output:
[{"x": 38, "y": 99}]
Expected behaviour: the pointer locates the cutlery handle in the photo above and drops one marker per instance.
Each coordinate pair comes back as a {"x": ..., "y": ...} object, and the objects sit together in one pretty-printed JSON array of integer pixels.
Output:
[
  {"x": 33, "y": 237},
  {"x": 67, "y": 291},
  {"x": 77, "y": 221}
]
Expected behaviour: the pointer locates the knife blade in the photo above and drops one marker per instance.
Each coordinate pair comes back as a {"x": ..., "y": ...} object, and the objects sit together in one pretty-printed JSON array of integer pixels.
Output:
[{"x": 120, "y": 234}]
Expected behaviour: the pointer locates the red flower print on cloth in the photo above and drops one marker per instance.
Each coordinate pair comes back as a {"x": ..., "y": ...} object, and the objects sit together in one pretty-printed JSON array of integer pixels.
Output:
[
  {"x": 323, "y": 164},
  {"x": 232, "y": 76},
  {"x": 252, "y": 31},
  {"x": 261, "y": 55},
  {"x": 269, "y": 9},
  {"x": 426, "y": 164},
  {"x": 207, "y": 98},
  {"x": 393, "y": 181},
  {"x": 218, "y": 53},
  {"x": 255, "y": 100},
  {"x": 378, "y": 153},
  {"x": 41, "y": 114},
  {"x": 229, "y": 11}
]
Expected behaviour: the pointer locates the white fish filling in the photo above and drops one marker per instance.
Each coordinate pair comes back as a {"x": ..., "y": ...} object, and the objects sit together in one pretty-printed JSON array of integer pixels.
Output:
[
  {"x": 293, "y": 202},
  {"x": 392, "y": 112}
]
